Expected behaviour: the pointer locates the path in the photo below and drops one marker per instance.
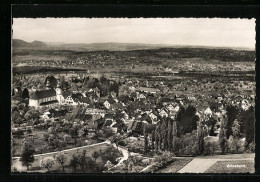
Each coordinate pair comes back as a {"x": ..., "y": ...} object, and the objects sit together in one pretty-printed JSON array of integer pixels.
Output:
[{"x": 199, "y": 165}]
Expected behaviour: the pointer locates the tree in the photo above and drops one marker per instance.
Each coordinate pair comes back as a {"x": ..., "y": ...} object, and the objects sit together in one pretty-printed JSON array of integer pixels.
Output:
[
  {"x": 201, "y": 142},
  {"x": 152, "y": 139},
  {"x": 222, "y": 137},
  {"x": 47, "y": 163},
  {"x": 232, "y": 114},
  {"x": 61, "y": 158},
  {"x": 74, "y": 134},
  {"x": 174, "y": 137},
  {"x": 18, "y": 121},
  {"x": 74, "y": 162},
  {"x": 27, "y": 157},
  {"x": 165, "y": 134},
  {"x": 156, "y": 138},
  {"x": 66, "y": 138},
  {"x": 186, "y": 120},
  {"x": 145, "y": 140},
  {"x": 169, "y": 139},
  {"x": 250, "y": 126},
  {"x": 15, "y": 115},
  {"x": 236, "y": 134},
  {"x": 82, "y": 160},
  {"x": 32, "y": 114},
  {"x": 95, "y": 155},
  {"x": 25, "y": 93}
]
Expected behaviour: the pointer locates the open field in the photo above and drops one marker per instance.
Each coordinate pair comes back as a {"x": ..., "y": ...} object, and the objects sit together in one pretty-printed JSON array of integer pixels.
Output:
[
  {"x": 176, "y": 165},
  {"x": 35, "y": 165}
]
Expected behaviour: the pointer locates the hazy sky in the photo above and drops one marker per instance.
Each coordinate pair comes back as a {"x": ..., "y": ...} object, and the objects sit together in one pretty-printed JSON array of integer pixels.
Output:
[{"x": 180, "y": 31}]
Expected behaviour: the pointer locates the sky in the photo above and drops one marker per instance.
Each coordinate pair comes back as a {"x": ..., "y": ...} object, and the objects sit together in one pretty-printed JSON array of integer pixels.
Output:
[{"x": 176, "y": 31}]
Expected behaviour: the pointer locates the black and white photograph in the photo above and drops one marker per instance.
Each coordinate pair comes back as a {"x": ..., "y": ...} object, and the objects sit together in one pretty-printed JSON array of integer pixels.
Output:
[{"x": 133, "y": 95}]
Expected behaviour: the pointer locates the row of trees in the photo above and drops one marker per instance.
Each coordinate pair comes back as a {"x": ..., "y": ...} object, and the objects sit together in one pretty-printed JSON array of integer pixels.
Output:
[
  {"x": 232, "y": 129},
  {"x": 191, "y": 139}
]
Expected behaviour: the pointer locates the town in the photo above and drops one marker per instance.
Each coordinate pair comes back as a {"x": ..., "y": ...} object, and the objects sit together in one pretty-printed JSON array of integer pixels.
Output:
[{"x": 131, "y": 121}]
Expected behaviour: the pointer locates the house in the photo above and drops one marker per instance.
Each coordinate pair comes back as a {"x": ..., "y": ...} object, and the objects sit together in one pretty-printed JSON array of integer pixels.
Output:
[
  {"x": 43, "y": 97},
  {"x": 141, "y": 96},
  {"x": 84, "y": 101},
  {"x": 96, "y": 91},
  {"x": 62, "y": 96},
  {"x": 76, "y": 96},
  {"x": 138, "y": 127},
  {"x": 208, "y": 111},
  {"x": 163, "y": 113},
  {"x": 149, "y": 90},
  {"x": 70, "y": 101},
  {"x": 109, "y": 117},
  {"x": 153, "y": 118},
  {"x": 109, "y": 102},
  {"x": 91, "y": 126}
]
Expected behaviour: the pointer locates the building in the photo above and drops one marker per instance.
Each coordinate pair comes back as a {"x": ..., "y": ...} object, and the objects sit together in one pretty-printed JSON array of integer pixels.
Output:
[
  {"x": 149, "y": 90},
  {"x": 43, "y": 97}
]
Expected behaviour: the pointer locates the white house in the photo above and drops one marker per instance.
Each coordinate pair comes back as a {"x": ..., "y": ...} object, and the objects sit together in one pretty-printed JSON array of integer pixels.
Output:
[
  {"x": 163, "y": 113},
  {"x": 108, "y": 103},
  {"x": 208, "y": 111},
  {"x": 69, "y": 100},
  {"x": 153, "y": 118}
]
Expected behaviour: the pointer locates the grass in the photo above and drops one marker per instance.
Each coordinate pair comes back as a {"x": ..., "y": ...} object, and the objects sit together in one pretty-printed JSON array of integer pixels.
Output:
[
  {"x": 246, "y": 166},
  {"x": 35, "y": 165},
  {"x": 175, "y": 166},
  {"x": 39, "y": 142}
]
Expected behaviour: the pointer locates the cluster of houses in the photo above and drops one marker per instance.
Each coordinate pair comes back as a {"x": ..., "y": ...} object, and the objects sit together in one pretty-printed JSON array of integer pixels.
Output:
[{"x": 112, "y": 111}]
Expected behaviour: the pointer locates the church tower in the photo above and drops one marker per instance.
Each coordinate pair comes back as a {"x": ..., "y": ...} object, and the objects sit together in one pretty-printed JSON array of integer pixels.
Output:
[{"x": 48, "y": 85}]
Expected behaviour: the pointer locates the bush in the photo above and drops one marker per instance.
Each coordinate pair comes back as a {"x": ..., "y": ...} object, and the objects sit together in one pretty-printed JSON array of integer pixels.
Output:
[
  {"x": 122, "y": 143},
  {"x": 110, "y": 154},
  {"x": 234, "y": 144},
  {"x": 47, "y": 163},
  {"x": 46, "y": 136},
  {"x": 251, "y": 147},
  {"x": 210, "y": 148}
]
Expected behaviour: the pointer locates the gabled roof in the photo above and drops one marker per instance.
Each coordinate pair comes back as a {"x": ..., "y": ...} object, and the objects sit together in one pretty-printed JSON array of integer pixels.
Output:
[
  {"x": 109, "y": 116},
  {"x": 130, "y": 125},
  {"x": 111, "y": 101},
  {"x": 85, "y": 100},
  {"x": 108, "y": 122},
  {"x": 67, "y": 93},
  {"x": 146, "y": 89},
  {"x": 43, "y": 94}
]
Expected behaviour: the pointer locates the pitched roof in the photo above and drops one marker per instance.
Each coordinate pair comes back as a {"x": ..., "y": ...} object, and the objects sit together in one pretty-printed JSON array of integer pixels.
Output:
[
  {"x": 85, "y": 100},
  {"x": 43, "y": 94},
  {"x": 111, "y": 101},
  {"x": 65, "y": 94},
  {"x": 146, "y": 89}
]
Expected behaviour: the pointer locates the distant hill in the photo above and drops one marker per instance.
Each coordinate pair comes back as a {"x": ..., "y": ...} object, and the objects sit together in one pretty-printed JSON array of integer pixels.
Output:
[
  {"x": 107, "y": 46},
  {"x": 21, "y": 43},
  {"x": 110, "y": 46},
  {"x": 113, "y": 46}
]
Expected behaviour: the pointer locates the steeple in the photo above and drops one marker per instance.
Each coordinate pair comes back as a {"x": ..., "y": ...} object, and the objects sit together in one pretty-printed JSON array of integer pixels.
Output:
[{"x": 48, "y": 85}]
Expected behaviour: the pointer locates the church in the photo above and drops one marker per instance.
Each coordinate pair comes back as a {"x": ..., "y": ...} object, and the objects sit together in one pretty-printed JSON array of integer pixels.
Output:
[{"x": 43, "y": 97}]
